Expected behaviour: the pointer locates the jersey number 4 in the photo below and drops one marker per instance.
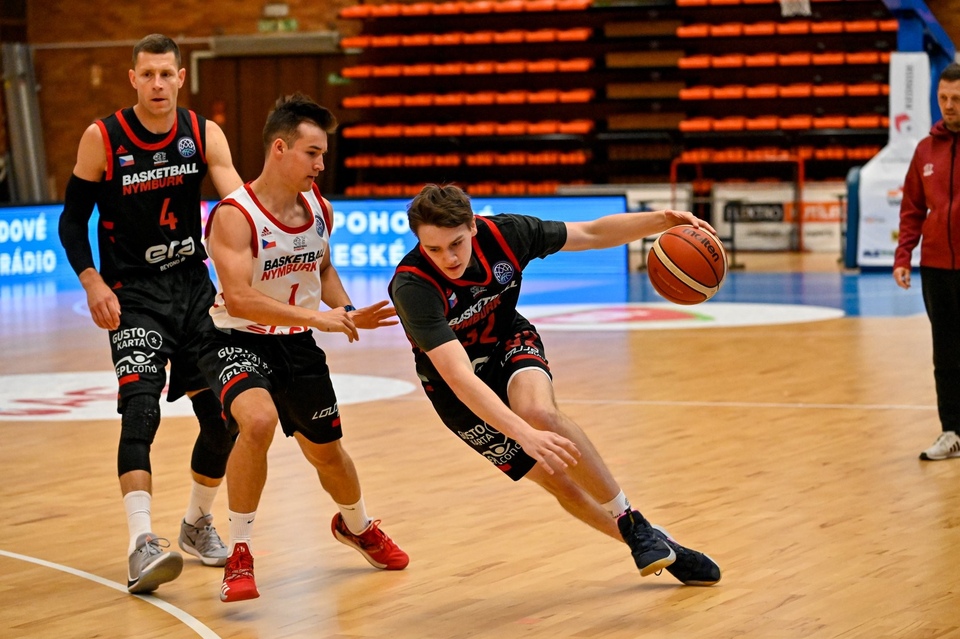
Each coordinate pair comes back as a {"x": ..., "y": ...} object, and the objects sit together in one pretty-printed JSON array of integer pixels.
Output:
[{"x": 168, "y": 218}]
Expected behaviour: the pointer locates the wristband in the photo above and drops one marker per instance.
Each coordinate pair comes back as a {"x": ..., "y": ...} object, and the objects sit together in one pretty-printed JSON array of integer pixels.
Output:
[{"x": 349, "y": 307}]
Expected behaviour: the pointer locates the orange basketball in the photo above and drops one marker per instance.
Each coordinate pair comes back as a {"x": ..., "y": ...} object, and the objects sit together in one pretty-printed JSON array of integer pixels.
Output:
[{"x": 687, "y": 265}]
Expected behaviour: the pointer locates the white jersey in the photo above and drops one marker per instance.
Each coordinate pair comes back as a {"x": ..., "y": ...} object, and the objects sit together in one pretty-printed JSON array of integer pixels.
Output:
[{"x": 286, "y": 260}]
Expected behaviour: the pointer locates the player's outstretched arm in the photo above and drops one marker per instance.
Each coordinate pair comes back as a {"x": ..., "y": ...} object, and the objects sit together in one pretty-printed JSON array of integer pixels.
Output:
[
  {"x": 553, "y": 451},
  {"x": 621, "y": 228}
]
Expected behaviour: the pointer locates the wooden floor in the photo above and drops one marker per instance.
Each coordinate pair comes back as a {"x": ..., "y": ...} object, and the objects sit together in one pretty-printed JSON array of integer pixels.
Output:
[{"x": 788, "y": 453}]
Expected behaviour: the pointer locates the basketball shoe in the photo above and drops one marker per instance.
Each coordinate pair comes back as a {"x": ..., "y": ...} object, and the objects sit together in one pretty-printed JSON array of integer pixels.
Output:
[
  {"x": 692, "y": 568},
  {"x": 374, "y": 544},
  {"x": 201, "y": 540},
  {"x": 238, "y": 583},
  {"x": 946, "y": 446},
  {"x": 650, "y": 552},
  {"x": 149, "y": 565}
]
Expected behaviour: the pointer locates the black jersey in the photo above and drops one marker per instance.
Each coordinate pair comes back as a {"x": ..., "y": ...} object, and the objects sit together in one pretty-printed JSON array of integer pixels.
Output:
[
  {"x": 149, "y": 198},
  {"x": 480, "y": 309}
]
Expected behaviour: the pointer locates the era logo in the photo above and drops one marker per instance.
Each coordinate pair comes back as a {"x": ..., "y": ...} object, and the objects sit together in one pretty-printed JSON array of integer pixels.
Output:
[{"x": 161, "y": 253}]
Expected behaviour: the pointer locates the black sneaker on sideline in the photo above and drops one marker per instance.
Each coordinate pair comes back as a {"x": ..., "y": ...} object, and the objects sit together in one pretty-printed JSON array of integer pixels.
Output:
[
  {"x": 692, "y": 568},
  {"x": 650, "y": 552}
]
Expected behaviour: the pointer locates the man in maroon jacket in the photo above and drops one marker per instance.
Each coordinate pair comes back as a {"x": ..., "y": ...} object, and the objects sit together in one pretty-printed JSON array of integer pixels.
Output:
[{"x": 931, "y": 209}]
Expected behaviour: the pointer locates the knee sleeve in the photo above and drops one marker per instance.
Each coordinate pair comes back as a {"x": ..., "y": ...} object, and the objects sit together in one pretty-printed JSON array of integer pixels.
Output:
[
  {"x": 138, "y": 426},
  {"x": 215, "y": 441}
]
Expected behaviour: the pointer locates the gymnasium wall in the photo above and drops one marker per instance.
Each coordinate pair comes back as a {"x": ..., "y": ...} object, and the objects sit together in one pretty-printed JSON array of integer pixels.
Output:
[
  {"x": 87, "y": 78},
  {"x": 83, "y": 52}
]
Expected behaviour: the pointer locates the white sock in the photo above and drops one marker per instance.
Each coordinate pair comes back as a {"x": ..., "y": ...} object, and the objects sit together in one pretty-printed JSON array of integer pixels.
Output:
[
  {"x": 618, "y": 505},
  {"x": 201, "y": 502},
  {"x": 355, "y": 516},
  {"x": 241, "y": 528},
  {"x": 137, "y": 505}
]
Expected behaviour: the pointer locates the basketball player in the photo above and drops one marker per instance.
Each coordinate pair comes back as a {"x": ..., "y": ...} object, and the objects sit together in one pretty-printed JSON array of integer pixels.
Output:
[
  {"x": 483, "y": 365},
  {"x": 270, "y": 243},
  {"x": 143, "y": 167}
]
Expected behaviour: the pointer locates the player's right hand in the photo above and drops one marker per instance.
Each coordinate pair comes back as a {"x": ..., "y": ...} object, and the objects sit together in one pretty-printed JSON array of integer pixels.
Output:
[
  {"x": 901, "y": 275},
  {"x": 337, "y": 320},
  {"x": 554, "y": 452}
]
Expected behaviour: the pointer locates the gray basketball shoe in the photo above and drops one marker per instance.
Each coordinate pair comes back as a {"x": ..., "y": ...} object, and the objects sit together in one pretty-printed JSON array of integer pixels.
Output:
[
  {"x": 150, "y": 566},
  {"x": 201, "y": 540}
]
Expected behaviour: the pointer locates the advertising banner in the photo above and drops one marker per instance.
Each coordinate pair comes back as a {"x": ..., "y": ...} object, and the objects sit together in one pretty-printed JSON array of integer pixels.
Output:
[
  {"x": 881, "y": 179},
  {"x": 369, "y": 236},
  {"x": 763, "y": 217}
]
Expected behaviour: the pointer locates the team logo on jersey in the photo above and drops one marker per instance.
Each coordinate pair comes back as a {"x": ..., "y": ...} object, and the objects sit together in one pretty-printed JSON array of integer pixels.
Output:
[
  {"x": 477, "y": 291},
  {"x": 452, "y": 299},
  {"x": 321, "y": 225},
  {"x": 927, "y": 170},
  {"x": 299, "y": 243},
  {"x": 186, "y": 147},
  {"x": 159, "y": 158},
  {"x": 126, "y": 160},
  {"x": 503, "y": 271}
]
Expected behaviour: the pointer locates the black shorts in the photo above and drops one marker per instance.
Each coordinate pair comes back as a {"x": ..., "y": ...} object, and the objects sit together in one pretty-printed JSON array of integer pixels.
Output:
[
  {"x": 163, "y": 319},
  {"x": 292, "y": 368},
  {"x": 523, "y": 351}
]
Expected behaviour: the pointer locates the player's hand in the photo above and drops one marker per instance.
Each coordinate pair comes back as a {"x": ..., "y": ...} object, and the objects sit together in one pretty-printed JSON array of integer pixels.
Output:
[
  {"x": 337, "y": 320},
  {"x": 552, "y": 451},
  {"x": 104, "y": 305},
  {"x": 686, "y": 217},
  {"x": 901, "y": 275},
  {"x": 374, "y": 316}
]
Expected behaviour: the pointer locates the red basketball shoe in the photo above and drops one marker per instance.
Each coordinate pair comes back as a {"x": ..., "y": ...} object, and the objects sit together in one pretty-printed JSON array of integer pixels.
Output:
[
  {"x": 238, "y": 583},
  {"x": 372, "y": 543}
]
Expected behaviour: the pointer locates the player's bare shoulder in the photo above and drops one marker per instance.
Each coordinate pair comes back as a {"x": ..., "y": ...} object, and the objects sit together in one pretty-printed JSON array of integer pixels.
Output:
[{"x": 91, "y": 155}]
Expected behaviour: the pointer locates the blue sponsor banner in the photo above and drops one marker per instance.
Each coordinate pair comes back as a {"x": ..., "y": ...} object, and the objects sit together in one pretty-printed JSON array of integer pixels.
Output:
[
  {"x": 370, "y": 236},
  {"x": 373, "y": 235},
  {"x": 30, "y": 250}
]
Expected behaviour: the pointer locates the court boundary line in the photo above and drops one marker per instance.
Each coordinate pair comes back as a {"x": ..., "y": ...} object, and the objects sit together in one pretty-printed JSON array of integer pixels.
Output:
[
  {"x": 794, "y": 405},
  {"x": 177, "y": 613},
  {"x": 409, "y": 397}
]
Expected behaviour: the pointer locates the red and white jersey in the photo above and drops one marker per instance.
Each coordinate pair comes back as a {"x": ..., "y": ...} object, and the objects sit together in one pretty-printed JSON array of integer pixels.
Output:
[{"x": 286, "y": 260}]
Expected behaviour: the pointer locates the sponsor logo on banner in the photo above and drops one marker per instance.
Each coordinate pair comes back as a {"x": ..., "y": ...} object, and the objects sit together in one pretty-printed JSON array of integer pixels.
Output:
[{"x": 753, "y": 212}]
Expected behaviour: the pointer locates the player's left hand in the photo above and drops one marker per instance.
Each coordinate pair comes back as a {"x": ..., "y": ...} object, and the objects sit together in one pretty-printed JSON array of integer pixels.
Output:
[
  {"x": 374, "y": 316},
  {"x": 686, "y": 217}
]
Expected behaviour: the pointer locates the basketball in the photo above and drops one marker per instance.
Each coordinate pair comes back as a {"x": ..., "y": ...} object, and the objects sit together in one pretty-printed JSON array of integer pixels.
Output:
[{"x": 687, "y": 265}]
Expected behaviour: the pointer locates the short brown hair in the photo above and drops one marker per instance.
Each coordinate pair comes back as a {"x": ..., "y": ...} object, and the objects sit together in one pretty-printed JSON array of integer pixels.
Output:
[
  {"x": 290, "y": 112},
  {"x": 156, "y": 43},
  {"x": 445, "y": 206},
  {"x": 950, "y": 73}
]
